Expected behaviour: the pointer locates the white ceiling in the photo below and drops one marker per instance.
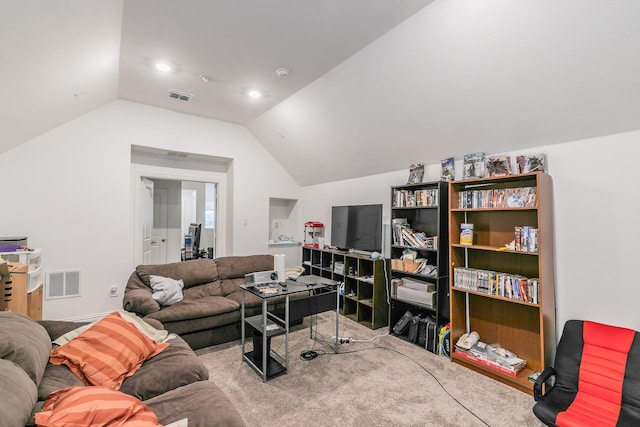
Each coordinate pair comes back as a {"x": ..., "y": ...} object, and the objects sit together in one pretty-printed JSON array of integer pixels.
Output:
[{"x": 364, "y": 96}]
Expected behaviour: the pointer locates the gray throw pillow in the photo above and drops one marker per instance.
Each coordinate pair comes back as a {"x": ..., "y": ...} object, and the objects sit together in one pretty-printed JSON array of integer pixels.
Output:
[{"x": 166, "y": 291}]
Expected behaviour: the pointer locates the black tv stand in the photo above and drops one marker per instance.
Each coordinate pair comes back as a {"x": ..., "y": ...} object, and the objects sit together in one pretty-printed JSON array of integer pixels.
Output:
[{"x": 364, "y": 299}]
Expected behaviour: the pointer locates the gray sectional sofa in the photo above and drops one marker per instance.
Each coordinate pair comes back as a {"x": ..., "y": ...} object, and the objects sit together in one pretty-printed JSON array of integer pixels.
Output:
[
  {"x": 209, "y": 314},
  {"x": 174, "y": 384}
]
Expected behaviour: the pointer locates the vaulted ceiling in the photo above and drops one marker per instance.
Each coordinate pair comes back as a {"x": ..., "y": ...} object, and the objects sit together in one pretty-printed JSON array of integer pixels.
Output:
[{"x": 372, "y": 85}]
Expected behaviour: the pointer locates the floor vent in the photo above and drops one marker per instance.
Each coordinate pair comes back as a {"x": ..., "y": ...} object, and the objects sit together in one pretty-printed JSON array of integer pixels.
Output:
[
  {"x": 63, "y": 284},
  {"x": 182, "y": 96}
]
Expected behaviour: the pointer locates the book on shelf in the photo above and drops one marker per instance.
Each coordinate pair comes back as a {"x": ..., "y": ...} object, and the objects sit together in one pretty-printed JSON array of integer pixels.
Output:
[
  {"x": 513, "y": 286},
  {"x": 404, "y": 235},
  {"x": 426, "y": 197},
  {"x": 521, "y": 197},
  {"x": 525, "y": 239}
]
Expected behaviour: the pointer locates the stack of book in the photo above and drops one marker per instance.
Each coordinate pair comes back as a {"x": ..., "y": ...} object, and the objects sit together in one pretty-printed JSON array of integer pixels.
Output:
[
  {"x": 494, "y": 357},
  {"x": 403, "y": 235}
]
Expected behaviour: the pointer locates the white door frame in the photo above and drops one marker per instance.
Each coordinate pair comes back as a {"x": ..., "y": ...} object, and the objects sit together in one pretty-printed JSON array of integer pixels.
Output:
[{"x": 139, "y": 171}]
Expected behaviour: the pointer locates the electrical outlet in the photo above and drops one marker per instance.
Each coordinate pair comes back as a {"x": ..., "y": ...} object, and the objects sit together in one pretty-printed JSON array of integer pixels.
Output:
[{"x": 113, "y": 291}]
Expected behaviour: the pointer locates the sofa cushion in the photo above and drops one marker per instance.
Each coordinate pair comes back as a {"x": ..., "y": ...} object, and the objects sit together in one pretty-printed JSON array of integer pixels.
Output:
[
  {"x": 174, "y": 367},
  {"x": 166, "y": 290},
  {"x": 192, "y": 272},
  {"x": 188, "y": 309},
  {"x": 55, "y": 378},
  {"x": 84, "y": 406},
  {"x": 107, "y": 353},
  {"x": 204, "y": 403},
  {"x": 156, "y": 333},
  {"x": 17, "y": 394},
  {"x": 25, "y": 343},
  {"x": 235, "y": 267}
]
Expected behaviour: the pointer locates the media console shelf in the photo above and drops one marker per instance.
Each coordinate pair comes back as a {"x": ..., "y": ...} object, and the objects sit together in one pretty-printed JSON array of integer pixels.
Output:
[
  {"x": 365, "y": 281},
  {"x": 520, "y": 320}
]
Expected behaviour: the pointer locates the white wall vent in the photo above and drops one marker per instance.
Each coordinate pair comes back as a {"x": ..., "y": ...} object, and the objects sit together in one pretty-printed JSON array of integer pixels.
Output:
[
  {"x": 63, "y": 284},
  {"x": 182, "y": 96},
  {"x": 176, "y": 154}
]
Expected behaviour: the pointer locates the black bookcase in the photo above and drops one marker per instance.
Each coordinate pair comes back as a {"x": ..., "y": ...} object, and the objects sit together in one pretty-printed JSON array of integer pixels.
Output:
[{"x": 424, "y": 207}]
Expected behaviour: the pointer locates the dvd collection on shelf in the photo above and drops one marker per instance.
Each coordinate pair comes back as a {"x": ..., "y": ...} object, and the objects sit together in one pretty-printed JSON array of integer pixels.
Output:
[
  {"x": 505, "y": 285},
  {"x": 403, "y": 235},
  {"x": 524, "y": 197},
  {"x": 427, "y": 197},
  {"x": 526, "y": 239}
]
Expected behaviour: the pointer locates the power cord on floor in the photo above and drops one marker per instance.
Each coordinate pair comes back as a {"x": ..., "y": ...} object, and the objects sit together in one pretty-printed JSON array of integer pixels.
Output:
[{"x": 312, "y": 354}]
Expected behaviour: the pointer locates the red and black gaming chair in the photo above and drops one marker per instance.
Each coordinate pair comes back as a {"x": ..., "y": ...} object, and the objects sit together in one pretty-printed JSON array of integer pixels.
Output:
[{"x": 597, "y": 378}]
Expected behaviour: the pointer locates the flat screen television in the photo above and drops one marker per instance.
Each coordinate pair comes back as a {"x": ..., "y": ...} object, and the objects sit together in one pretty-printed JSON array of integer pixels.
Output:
[{"x": 357, "y": 227}]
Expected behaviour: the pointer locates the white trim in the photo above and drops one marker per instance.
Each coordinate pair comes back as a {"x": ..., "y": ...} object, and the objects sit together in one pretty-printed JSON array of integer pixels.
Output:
[{"x": 138, "y": 171}]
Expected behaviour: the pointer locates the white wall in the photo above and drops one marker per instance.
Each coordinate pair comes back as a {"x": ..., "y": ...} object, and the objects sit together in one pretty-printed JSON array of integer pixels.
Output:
[
  {"x": 69, "y": 191},
  {"x": 595, "y": 222}
]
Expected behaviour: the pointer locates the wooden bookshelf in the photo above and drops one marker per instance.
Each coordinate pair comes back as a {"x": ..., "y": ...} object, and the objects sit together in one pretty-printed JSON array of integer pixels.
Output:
[{"x": 523, "y": 327}]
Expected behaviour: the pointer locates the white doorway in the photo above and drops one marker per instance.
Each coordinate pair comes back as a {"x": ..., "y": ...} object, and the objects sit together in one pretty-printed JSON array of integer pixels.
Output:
[
  {"x": 160, "y": 230},
  {"x": 146, "y": 201},
  {"x": 164, "y": 208},
  {"x": 154, "y": 222}
]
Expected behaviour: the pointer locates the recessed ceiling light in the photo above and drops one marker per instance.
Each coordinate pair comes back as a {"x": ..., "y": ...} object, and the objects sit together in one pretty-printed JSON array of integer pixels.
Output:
[
  {"x": 163, "y": 67},
  {"x": 254, "y": 94}
]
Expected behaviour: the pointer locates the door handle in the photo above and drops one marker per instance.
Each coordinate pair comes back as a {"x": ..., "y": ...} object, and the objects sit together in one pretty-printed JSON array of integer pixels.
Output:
[{"x": 153, "y": 242}]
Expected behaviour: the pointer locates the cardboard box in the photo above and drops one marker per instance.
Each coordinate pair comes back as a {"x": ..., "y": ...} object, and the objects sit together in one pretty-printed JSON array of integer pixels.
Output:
[
  {"x": 410, "y": 266},
  {"x": 6, "y": 285},
  {"x": 18, "y": 303}
]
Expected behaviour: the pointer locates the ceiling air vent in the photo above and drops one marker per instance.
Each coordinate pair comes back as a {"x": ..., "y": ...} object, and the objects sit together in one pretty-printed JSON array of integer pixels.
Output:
[
  {"x": 176, "y": 154},
  {"x": 182, "y": 96}
]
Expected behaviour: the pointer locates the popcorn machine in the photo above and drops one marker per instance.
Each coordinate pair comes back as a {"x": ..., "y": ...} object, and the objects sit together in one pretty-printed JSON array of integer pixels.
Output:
[{"x": 313, "y": 230}]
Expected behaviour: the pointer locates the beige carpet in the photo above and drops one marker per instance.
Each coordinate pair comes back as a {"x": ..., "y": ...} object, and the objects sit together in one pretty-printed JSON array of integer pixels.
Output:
[{"x": 384, "y": 382}]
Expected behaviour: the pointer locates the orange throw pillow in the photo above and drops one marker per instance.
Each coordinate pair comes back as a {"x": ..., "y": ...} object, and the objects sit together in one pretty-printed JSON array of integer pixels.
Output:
[
  {"x": 107, "y": 353},
  {"x": 93, "y": 407}
]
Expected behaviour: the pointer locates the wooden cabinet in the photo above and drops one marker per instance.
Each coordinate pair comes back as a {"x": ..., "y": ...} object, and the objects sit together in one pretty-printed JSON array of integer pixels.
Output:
[
  {"x": 419, "y": 223},
  {"x": 365, "y": 282},
  {"x": 34, "y": 303},
  {"x": 18, "y": 302},
  {"x": 519, "y": 320}
]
